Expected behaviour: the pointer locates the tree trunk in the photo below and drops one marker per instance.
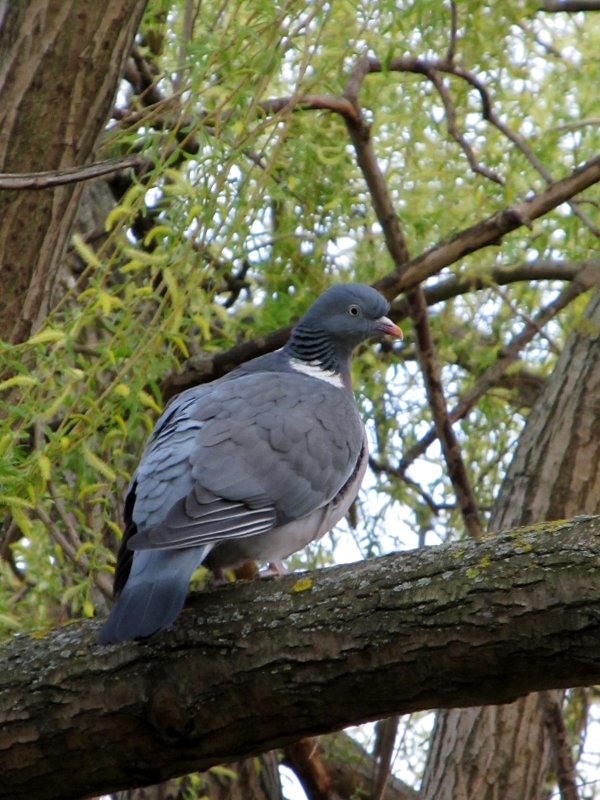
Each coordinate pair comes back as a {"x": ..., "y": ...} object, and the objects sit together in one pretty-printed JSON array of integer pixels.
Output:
[
  {"x": 489, "y": 753},
  {"x": 60, "y": 68},
  {"x": 260, "y": 664}
]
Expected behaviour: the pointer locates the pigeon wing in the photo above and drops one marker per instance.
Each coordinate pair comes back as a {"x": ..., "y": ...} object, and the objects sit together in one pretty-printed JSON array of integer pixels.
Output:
[{"x": 241, "y": 456}]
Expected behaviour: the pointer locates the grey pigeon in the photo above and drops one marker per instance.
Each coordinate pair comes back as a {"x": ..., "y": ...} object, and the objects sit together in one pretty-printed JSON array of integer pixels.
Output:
[{"x": 253, "y": 466}]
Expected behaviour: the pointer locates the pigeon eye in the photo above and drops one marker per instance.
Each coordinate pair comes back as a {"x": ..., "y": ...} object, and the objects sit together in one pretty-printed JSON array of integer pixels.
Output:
[{"x": 354, "y": 311}]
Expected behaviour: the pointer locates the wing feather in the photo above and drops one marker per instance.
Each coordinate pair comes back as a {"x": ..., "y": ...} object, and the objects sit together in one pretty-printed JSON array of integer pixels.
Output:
[{"x": 240, "y": 456}]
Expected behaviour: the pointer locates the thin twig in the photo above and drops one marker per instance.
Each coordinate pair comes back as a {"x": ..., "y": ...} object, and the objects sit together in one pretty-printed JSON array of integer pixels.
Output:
[
  {"x": 187, "y": 30},
  {"x": 56, "y": 533},
  {"x": 301, "y": 27},
  {"x": 576, "y": 125},
  {"x": 60, "y": 177},
  {"x": 451, "y": 52},
  {"x": 67, "y": 519},
  {"x": 456, "y": 134},
  {"x": 378, "y": 467},
  {"x": 519, "y": 314},
  {"x": 102, "y": 581},
  {"x": 549, "y": 48}
]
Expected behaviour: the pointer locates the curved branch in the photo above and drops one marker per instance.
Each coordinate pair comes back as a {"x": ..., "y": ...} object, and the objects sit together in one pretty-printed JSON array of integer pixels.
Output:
[
  {"x": 557, "y": 270},
  {"x": 247, "y": 666},
  {"x": 458, "y": 137},
  {"x": 338, "y": 764},
  {"x": 347, "y": 107},
  {"x": 489, "y": 231}
]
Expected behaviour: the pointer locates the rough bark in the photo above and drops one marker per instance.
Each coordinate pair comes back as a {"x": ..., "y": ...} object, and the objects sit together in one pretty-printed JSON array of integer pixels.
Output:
[
  {"x": 481, "y": 754},
  {"x": 556, "y": 469},
  {"x": 257, "y": 665},
  {"x": 59, "y": 70}
]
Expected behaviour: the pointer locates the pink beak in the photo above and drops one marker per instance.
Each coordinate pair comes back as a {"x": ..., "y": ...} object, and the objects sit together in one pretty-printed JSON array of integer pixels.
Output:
[{"x": 385, "y": 325}]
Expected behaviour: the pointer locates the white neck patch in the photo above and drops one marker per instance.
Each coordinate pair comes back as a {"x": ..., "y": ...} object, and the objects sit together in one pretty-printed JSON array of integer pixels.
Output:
[{"x": 317, "y": 372}]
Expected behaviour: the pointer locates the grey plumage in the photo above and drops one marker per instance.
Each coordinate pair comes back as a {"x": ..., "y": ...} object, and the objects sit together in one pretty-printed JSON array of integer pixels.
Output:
[{"x": 253, "y": 466}]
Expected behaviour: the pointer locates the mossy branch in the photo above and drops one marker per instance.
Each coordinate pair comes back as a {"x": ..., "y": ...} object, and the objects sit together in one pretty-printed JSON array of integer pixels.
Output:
[{"x": 253, "y": 666}]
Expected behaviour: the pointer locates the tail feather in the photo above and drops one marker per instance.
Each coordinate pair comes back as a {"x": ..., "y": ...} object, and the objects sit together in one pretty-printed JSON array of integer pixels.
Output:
[{"x": 154, "y": 594}]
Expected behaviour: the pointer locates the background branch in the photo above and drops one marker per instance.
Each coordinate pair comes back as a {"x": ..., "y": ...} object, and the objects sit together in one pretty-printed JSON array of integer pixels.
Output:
[
  {"x": 417, "y": 306},
  {"x": 60, "y": 177},
  {"x": 508, "y": 355},
  {"x": 566, "y": 774},
  {"x": 570, "y": 6},
  {"x": 489, "y": 231}
]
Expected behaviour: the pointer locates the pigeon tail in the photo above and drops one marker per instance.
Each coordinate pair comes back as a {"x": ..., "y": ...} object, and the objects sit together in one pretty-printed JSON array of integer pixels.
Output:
[{"x": 154, "y": 594}]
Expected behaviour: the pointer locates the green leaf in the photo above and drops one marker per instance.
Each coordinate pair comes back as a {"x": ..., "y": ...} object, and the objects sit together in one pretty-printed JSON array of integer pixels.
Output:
[{"x": 98, "y": 464}]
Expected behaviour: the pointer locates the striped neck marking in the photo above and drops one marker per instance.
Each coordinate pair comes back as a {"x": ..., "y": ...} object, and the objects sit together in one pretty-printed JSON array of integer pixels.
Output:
[{"x": 315, "y": 371}]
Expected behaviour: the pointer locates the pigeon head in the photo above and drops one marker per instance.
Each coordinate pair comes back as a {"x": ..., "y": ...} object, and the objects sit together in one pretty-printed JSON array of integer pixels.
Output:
[{"x": 340, "y": 319}]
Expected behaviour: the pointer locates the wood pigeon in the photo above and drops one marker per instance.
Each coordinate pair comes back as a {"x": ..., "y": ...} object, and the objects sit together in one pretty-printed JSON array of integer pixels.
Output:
[{"x": 253, "y": 466}]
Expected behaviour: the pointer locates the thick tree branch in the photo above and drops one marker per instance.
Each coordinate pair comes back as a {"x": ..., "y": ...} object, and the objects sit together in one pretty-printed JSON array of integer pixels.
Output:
[
  {"x": 528, "y": 271},
  {"x": 455, "y": 465},
  {"x": 305, "y": 759},
  {"x": 247, "y": 666},
  {"x": 490, "y": 231},
  {"x": 204, "y": 369}
]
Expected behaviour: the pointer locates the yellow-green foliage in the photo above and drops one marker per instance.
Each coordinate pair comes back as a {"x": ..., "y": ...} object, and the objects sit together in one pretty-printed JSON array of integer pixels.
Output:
[{"x": 235, "y": 187}]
